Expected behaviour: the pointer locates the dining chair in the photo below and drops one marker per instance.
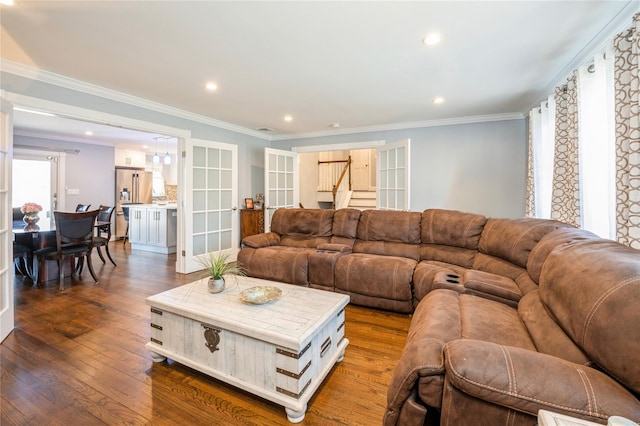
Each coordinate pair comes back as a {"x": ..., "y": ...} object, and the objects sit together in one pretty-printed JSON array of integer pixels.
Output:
[
  {"x": 103, "y": 232},
  {"x": 23, "y": 259},
  {"x": 83, "y": 207},
  {"x": 74, "y": 240}
]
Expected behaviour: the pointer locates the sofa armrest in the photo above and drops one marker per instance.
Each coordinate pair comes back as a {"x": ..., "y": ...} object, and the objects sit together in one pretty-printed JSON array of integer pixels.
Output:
[
  {"x": 479, "y": 283},
  {"x": 261, "y": 240},
  {"x": 528, "y": 381},
  {"x": 338, "y": 248}
]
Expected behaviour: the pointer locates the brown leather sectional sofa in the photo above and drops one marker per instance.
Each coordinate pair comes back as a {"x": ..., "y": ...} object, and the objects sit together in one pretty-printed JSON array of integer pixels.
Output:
[{"x": 509, "y": 315}]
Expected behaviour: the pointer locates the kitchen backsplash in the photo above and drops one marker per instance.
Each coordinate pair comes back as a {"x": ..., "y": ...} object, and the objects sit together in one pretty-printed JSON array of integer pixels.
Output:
[{"x": 171, "y": 192}]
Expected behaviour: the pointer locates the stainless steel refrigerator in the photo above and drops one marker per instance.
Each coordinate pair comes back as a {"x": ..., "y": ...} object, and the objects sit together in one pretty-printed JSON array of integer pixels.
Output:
[{"x": 133, "y": 186}]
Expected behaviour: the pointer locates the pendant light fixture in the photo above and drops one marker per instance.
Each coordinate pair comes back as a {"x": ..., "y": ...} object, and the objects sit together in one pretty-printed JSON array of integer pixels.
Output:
[
  {"x": 167, "y": 157},
  {"x": 156, "y": 157}
]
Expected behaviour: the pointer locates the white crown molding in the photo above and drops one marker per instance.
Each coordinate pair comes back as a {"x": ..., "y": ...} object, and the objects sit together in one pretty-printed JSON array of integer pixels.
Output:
[
  {"x": 83, "y": 87},
  {"x": 403, "y": 126},
  {"x": 91, "y": 89}
]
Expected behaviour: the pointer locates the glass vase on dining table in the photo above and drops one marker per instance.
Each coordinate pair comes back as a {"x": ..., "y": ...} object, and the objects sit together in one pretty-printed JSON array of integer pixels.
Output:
[{"x": 31, "y": 219}]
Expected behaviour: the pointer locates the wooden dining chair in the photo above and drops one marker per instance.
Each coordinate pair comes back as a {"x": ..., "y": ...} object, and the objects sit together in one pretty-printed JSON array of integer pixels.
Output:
[
  {"x": 74, "y": 240},
  {"x": 103, "y": 232},
  {"x": 83, "y": 207},
  {"x": 23, "y": 259}
]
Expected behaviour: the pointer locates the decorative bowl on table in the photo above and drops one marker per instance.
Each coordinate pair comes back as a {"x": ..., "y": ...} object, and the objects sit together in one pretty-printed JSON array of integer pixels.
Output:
[{"x": 260, "y": 294}]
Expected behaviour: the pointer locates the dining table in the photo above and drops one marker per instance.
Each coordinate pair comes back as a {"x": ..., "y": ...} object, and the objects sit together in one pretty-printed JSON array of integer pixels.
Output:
[{"x": 38, "y": 236}]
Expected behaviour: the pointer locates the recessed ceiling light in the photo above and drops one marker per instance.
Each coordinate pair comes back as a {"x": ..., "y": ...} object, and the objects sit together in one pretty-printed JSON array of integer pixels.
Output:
[
  {"x": 211, "y": 86},
  {"x": 438, "y": 100},
  {"x": 288, "y": 118},
  {"x": 7, "y": 2},
  {"x": 88, "y": 133},
  {"x": 431, "y": 39}
]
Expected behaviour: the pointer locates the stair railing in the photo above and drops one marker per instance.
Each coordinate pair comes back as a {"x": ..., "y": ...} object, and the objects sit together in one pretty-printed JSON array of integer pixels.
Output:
[{"x": 346, "y": 171}]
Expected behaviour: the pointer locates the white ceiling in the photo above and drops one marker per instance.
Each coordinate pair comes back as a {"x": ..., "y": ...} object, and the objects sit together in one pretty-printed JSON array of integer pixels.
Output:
[{"x": 359, "y": 64}]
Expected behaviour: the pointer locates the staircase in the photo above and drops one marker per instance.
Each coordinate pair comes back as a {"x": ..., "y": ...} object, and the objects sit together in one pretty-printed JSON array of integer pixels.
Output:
[
  {"x": 358, "y": 200},
  {"x": 363, "y": 200}
]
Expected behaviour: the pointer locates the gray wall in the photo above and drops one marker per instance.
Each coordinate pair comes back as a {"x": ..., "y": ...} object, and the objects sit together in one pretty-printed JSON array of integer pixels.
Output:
[
  {"x": 470, "y": 167},
  {"x": 478, "y": 168}
]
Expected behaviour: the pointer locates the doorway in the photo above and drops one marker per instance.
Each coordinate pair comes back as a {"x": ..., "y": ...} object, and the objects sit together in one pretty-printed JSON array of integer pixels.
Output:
[
  {"x": 354, "y": 170},
  {"x": 35, "y": 179}
]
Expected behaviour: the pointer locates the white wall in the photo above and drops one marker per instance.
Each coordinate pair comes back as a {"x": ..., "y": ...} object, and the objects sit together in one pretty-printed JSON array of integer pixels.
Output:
[
  {"x": 309, "y": 180},
  {"x": 479, "y": 168}
]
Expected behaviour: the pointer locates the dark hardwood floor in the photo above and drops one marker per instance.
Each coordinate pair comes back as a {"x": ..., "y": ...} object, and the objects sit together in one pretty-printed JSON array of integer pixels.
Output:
[{"x": 77, "y": 357}]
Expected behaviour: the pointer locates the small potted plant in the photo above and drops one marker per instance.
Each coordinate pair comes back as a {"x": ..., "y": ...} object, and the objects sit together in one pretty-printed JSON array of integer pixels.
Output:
[{"x": 216, "y": 266}]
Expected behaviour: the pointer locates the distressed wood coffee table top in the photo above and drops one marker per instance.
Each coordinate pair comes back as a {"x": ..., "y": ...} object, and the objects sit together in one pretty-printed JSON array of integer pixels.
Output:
[{"x": 289, "y": 321}]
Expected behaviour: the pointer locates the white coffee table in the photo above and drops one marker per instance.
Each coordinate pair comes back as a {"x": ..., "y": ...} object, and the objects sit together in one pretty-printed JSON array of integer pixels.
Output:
[{"x": 281, "y": 350}]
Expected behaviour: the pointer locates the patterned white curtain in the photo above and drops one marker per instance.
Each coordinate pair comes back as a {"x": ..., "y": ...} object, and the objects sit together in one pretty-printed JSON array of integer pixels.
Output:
[
  {"x": 540, "y": 160},
  {"x": 530, "y": 202},
  {"x": 627, "y": 110},
  {"x": 597, "y": 144},
  {"x": 565, "y": 199}
]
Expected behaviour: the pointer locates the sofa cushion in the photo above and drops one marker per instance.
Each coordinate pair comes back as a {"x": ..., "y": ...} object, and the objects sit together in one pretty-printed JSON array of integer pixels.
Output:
[
  {"x": 503, "y": 376},
  {"x": 389, "y": 226},
  {"x": 303, "y": 222},
  {"x": 451, "y": 228},
  {"x": 496, "y": 265},
  {"x": 550, "y": 241},
  {"x": 345, "y": 223},
  {"x": 277, "y": 263},
  {"x": 448, "y": 254},
  {"x": 547, "y": 335},
  {"x": 443, "y": 316},
  {"x": 388, "y": 277},
  {"x": 513, "y": 239},
  {"x": 603, "y": 317}
]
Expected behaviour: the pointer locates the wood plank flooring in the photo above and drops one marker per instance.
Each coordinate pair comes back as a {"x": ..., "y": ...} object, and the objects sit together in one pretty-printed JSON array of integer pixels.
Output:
[{"x": 77, "y": 357}]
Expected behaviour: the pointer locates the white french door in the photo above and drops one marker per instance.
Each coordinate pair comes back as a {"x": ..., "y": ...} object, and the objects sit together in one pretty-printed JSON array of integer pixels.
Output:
[
  {"x": 36, "y": 179},
  {"x": 281, "y": 182},
  {"x": 393, "y": 175},
  {"x": 211, "y": 213},
  {"x": 6, "y": 236}
]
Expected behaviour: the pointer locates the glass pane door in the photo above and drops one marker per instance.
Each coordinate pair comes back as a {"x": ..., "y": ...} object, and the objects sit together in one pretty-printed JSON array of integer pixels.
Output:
[
  {"x": 393, "y": 175},
  {"x": 281, "y": 181},
  {"x": 6, "y": 236},
  {"x": 211, "y": 213}
]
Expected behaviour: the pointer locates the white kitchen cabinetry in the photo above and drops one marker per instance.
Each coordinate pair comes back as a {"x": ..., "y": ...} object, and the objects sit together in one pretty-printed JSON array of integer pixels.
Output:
[
  {"x": 129, "y": 158},
  {"x": 137, "y": 225},
  {"x": 153, "y": 228}
]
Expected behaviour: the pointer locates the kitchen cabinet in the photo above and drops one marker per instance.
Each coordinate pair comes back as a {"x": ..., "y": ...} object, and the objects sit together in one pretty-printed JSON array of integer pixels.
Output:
[
  {"x": 251, "y": 222},
  {"x": 153, "y": 228},
  {"x": 137, "y": 225}
]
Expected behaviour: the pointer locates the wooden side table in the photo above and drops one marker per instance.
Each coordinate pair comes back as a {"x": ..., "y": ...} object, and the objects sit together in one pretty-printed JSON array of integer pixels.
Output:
[{"x": 251, "y": 222}]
